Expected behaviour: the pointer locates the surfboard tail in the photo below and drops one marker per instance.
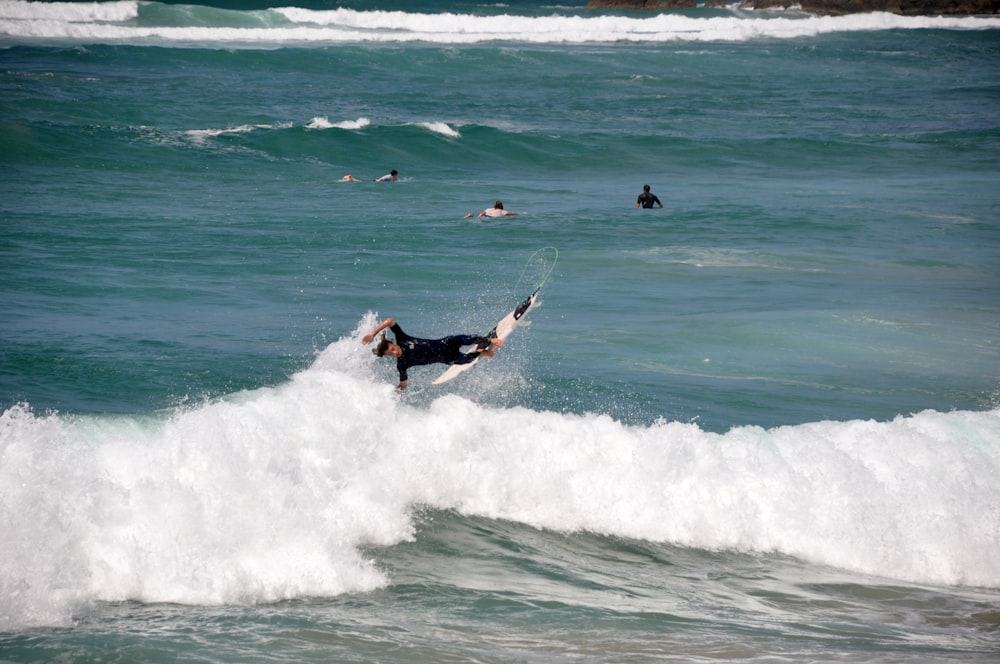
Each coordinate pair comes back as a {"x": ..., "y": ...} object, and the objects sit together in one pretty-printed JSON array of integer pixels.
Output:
[{"x": 524, "y": 306}]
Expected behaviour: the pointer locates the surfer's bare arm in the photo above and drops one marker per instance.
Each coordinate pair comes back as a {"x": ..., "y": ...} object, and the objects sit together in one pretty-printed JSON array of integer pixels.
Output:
[
  {"x": 367, "y": 339},
  {"x": 401, "y": 386}
]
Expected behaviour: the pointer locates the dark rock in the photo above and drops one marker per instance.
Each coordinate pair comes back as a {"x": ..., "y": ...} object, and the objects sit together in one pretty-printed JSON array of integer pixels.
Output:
[{"x": 652, "y": 5}]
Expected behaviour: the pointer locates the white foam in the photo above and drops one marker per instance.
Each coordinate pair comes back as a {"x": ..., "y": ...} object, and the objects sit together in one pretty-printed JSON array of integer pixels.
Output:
[
  {"x": 440, "y": 128},
  {"x": 70, "y": 12},
  {"x": 322, "y": 122},
  {"x": 271, "y": 494},
  {"x": 115, "y": 22},
  {"x": 201, "y": 135}
]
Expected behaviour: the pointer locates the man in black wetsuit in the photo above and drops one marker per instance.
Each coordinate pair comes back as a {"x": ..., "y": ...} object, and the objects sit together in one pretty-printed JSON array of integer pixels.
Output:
[
  {"x": 646, "y": 199},
  {"x": 411, "y": 352}
]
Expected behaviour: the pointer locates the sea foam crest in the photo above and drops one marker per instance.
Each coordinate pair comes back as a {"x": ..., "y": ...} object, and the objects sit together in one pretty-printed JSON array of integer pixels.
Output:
[
  {"x": 442, "y": 128},
  {"x": 125, "y": 22},
  {"x": 273, "y": 493},
  {"x": 323, "y": 122},
  {"x": 70, "y": 12}
]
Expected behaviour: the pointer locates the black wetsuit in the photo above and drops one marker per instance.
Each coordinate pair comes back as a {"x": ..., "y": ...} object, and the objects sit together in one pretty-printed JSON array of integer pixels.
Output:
[
  {"x": 646, "y": 200},
  {"x": 448, "y": 350}
]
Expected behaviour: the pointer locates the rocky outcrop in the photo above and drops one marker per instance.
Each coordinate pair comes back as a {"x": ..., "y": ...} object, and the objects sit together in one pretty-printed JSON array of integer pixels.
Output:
[
  {"x": 828, "y": 7},
  {"x": 652, "y": 5}
]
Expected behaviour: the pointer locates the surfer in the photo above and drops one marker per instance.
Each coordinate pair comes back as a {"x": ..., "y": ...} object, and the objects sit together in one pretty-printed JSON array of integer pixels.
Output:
[
  {"x": 392, "y": 176},
  {"x": 647, "y": 199},
  {"x": 495, "y": 211},
  {"x": 410, "y": 351}
]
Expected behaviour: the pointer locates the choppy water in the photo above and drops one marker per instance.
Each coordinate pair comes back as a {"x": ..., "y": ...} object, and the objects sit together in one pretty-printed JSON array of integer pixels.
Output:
[{"x": 760, "y": 423}]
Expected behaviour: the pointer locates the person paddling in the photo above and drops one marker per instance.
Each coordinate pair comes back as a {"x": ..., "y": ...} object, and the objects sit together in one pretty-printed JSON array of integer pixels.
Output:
[{"x": 496, "y": 211}]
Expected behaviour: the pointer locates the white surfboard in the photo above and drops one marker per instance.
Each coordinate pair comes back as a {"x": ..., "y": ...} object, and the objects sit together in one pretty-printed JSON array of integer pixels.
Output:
[{"x": 500, "y": 331}]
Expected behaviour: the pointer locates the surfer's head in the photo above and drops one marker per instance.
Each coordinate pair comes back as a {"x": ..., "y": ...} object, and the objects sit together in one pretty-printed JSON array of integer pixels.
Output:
[
  {"x": 386, "y": 347},
  {"x": 498, "y": 205}
]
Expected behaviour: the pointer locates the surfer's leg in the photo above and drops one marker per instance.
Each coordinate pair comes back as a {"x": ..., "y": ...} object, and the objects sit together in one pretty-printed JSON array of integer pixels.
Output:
[
  {"x": 460, "y": 340},
  {"x": 462, "y": 358},
  {"x": 456, "y": 342}
]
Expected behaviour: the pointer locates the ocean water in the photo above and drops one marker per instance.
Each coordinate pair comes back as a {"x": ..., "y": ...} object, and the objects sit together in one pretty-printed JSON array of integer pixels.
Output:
[{"x": 760, "y": 424}]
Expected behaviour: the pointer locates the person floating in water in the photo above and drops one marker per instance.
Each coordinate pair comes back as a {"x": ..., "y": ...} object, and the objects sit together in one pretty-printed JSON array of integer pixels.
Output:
[
  {"x": 495, "y": 211},
  {"x": 388, "y": 177},
  {"x": 411, "y": 352},
  {"x": 647, "y": 199}
]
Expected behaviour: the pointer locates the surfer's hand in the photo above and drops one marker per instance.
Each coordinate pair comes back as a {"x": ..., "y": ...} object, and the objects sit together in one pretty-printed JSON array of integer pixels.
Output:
[
  {"x": 498, "y": 342},
  {"x": 367, "y": 339}
]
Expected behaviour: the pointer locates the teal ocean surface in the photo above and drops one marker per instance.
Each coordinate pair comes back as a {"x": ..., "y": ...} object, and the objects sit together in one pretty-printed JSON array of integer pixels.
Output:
[{"x": 760, "y": 424}]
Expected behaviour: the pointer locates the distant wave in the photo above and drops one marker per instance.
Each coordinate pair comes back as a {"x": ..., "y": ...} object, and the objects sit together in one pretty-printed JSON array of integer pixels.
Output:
[
  {"x": 440, "y": 128},
  {"x": 201, "y": 134},
  {"x": 131, "y": 22},
  {"x": 70, "y": 12},
  {"x": 325, "y": 123}
]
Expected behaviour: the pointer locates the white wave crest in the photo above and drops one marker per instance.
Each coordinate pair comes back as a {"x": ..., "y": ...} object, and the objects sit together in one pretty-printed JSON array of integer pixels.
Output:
[
  {"x": 272, "y": 494},
  {"x": 116, "y": 22},
  {"x": 440, "y": 128},
  {"x": 322, "y": 122},
  {"x": 70, "y": 12}
]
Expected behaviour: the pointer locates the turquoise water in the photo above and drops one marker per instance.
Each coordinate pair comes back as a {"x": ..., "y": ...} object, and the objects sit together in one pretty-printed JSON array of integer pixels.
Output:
[{"x": 761, "y": 422}]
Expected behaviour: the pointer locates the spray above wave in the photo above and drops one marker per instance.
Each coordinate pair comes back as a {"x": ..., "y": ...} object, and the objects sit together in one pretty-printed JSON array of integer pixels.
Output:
[
  {"x": 273, "y": 493},
  {"x": 155, "y": 23}
]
